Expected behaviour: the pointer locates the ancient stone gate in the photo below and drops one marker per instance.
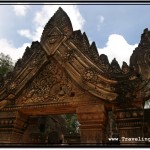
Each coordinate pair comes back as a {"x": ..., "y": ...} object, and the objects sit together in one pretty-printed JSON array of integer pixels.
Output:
[{"x": 63, "y": 73}]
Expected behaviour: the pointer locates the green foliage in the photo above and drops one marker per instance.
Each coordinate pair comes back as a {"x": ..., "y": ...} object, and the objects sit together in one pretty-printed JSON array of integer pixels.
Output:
[
  {"x": 72, "y": 123},
  {"x": 6, "y": 65}
]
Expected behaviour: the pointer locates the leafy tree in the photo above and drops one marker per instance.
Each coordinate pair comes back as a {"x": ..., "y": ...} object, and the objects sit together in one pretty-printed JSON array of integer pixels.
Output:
[
  {"x": 6, "y": 65},
  {"x": 72, "y": 123}
]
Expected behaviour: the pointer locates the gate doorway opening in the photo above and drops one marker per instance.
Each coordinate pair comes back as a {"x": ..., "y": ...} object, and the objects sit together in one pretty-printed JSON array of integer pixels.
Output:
[{"x": 52, "y": 129}]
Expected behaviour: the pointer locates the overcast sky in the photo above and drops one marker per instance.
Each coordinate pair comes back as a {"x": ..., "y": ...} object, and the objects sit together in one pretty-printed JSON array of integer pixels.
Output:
[{"x": 116, "y": 29}]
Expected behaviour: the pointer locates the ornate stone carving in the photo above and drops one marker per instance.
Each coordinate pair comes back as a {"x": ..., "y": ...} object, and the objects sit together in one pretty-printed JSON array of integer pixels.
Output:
[
  {"x": 12, "y": 125},
  {"x": 82, "y": 43},
  {"x": 130, "y": 123},
  {"x": 90, "y": 75},
  {"x": 4, "y": 103},
  {"x": 93, "y": 53},
  {"x": 24, "y": 70},
  {"x": 50, "y": 85},
  {"x": 103, "y": 62},
  {"x": 86, "y": 43},
  {"x": 69, "y": 55},
  {"x": 114, "y": 67},
  {"x": 64, "y": 71},
  {"x": 52, "y": 41},
  {"x": 59, "y": 20},
  {"x": 140, "y": 59},
  {"x": 127, "y": 92},
  {"x": 77, "y": 39}
]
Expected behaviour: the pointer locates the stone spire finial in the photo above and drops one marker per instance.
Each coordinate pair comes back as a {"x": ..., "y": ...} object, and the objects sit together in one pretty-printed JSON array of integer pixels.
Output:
[{"x": 60, "y": 20}]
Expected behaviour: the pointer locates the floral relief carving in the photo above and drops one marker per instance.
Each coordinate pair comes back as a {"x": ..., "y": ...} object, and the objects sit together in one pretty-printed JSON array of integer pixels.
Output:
[
  {"x": 69, "y": 55},
  {"x": 50, "y": 85},
  {"x": 90, "y": 75}
]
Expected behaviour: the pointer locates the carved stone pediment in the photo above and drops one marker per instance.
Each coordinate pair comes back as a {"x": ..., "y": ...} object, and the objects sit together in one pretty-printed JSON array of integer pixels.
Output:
[
  {"x": 63, "y": 62},
  {"x": 51, "y": 85}
]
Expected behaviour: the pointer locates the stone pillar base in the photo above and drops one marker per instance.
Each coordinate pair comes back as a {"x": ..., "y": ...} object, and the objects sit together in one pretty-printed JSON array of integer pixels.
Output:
[{"x": 12, "y": 126}]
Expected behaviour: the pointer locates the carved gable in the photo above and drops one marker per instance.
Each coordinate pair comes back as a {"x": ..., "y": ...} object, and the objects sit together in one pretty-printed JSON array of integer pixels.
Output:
[
  {"x": 51, "y": 85},
  {"x": 64, "y": 66}
]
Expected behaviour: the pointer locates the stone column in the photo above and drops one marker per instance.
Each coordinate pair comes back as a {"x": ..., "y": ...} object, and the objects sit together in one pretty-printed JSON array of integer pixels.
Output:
[
  {"x": 130, "y": 125},
  {"x": 92, "y": 119},
  {"x": 12, "y": 126}
]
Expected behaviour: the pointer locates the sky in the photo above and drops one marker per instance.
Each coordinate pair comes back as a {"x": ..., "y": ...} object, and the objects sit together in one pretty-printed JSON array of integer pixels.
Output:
[{"x": 116, "y": 29}]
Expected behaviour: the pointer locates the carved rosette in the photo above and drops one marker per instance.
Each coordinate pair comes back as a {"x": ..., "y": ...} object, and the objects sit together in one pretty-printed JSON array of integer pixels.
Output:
[
  {"x": 69, "y": 55},
  {"x": 90, "y": 75}
]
